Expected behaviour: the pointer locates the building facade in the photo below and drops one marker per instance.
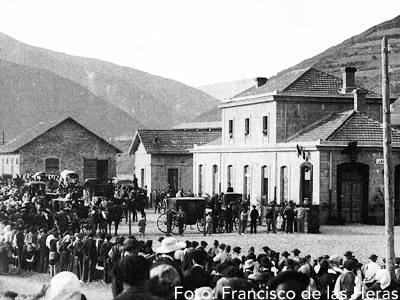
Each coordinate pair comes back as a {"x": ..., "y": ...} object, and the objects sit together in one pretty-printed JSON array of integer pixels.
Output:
[
  {"x": 55, "y": 146},
  {"x": 162, "y": 158},
  {"x": 305, "y": 135}
]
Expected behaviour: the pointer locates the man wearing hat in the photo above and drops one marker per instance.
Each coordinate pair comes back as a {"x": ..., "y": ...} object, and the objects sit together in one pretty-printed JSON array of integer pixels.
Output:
[
  {"x": 166, "y": 249},
  {"x": 254, "y": 215},
  {"x": 236, "y": 253},
  {"x": 369, "y": 270},
  {"x": 197, "y": 276},
  {"x": 348, "y": 284},
  {"x": 296, "y": 257},
  {"x": 248, "y": 267}
]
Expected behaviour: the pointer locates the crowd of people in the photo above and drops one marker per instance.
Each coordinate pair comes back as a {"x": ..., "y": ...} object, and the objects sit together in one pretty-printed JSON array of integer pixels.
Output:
[{"x": 169, "y": 269}]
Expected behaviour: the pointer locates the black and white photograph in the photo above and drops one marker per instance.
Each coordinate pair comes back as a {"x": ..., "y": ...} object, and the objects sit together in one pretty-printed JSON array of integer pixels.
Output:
[{"x": 187, "y": 149}]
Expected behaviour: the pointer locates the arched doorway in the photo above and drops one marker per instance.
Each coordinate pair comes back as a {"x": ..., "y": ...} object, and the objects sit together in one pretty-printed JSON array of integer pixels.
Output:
[{"x": 352, "y": 191}]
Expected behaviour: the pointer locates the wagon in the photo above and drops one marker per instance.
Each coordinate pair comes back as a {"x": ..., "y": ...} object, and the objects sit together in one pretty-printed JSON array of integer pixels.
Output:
[{"x": 194, "y": 209}]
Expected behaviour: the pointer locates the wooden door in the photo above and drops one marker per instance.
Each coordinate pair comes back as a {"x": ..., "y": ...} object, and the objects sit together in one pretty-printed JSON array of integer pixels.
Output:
[
  {"x": 352, "y": 192},
  {"x": 173, "y": 179}
]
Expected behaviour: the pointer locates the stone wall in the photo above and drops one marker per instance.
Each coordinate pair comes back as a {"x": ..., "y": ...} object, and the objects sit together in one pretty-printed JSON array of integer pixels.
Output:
[{"x": 71, "y": 143}]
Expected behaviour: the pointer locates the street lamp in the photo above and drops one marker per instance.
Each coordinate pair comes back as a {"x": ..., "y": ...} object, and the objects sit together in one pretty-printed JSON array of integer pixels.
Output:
[{"x": 388, "y": 179}]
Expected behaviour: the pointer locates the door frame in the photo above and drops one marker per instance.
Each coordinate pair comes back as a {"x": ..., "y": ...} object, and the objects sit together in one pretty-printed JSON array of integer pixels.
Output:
[{"x": 359, "y": 168}]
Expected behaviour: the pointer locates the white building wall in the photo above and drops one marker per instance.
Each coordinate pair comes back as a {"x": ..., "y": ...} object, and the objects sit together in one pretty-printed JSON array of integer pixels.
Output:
[
  {"x": 143, "y": 161},
  {"x": 256, "y": 160},
  {"x": 255, "y": 113},
  {"x": 9, "y": 164}
]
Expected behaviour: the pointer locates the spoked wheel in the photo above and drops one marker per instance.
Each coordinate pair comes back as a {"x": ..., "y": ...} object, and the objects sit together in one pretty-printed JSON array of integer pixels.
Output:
[
  {"x": 175, "y": 226},
  {"x": 200, "y": 225},
  {"x": 162, "y": 223}
]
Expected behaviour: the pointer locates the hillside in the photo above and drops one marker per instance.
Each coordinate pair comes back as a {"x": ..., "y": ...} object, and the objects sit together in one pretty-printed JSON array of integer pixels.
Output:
[
  {"x": 226, "y": 90},
  {"x": 153, "y": 101},
  {"x": 362, "y": 51},
  {"x": 30, "y": 95}
]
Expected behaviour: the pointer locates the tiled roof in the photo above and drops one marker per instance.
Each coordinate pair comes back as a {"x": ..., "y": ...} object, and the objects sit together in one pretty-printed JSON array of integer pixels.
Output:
[
  {"x": 217, "y": 142},
  {"x": 36, "y": 131},
  {"x": 172, "y": 141},
  {"x": 308, "y": 81},
  {"x": 345, "y": 127},
  {"x": 363, "y": 129},
  {"x": 198, "y": 125},
  {"x": 323, "y": 128}
]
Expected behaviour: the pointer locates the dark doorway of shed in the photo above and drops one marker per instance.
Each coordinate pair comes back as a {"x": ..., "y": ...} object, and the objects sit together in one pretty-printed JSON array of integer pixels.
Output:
[
  {"x": 353, "y": 185},
  {"x": 102, "y": 169},
  {"x": 173, "y": 179},
  {"x": 94, "y": 168}
]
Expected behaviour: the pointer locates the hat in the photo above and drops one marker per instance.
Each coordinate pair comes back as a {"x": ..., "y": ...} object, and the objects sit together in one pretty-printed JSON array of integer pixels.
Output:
[
  {"x": 236, "y": 249},
  {"x": 373, "y": 257},
  {"x": 349, "y": 264},
  {"x": 335, "y": 258},
  {"x": 65, "y": 284},
  {"x": 266, "y": 248},
  {"x": 168, "y": 245},
  {"x": 203, "y": 243},
  {"x": 160, "y": 239},
  {"x": 203, "y": 293},
  {"x": 254, "y": 206},
  {"x": 131, "y": 244},
  {"x": 348, "y": 253},
  {"x": 285, "y": 254},
  {"x": 248, "y": 264},
  {"x": 296, "y": 251}
]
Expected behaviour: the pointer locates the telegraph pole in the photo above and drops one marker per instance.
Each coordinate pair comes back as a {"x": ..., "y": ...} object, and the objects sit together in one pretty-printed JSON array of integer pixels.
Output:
[{"x": 388, "y": 164}]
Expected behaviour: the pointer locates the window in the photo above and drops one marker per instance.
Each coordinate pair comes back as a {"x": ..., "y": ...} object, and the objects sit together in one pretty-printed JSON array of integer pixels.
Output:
[
  {"x": 142, "y": 181},
  {"x": 201, "y": 175},
  {"x": 229, "y": 175},
  {"x": 7, "y": 160},
  {"x": 246, "y": 126},
  {"x": 52, "y": 165},
  {"x": 230, "y": 128},
  {"x": 264, "y": 184},
  {"x": 246, "y": 182},
  {"x": 265, "y": 125},
  {"x": 214, "y": 180},
  {"x": 284, "y": 184},
  {"x": 16, "y": 161}
]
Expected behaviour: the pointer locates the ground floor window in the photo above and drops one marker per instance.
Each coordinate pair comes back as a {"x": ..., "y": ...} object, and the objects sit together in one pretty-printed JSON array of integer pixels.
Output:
[
  {"x": 284, "y": 184},
  {"x": 246, "y": 181},
  {"x": 264, "y": 184},
  {"x": 306, "y": 176},
  {"x": 214, "y": 180},
  {"x": 173, "y": 179}
]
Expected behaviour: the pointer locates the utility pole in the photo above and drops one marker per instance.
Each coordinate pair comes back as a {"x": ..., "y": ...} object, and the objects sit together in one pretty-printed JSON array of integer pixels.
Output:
[{"x": 388, "y": 164}]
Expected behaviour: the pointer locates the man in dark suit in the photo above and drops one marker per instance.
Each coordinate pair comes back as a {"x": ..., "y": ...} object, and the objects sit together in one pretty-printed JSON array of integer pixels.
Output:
[
  {"x": 89, "y": 258},
  {"x": 197, "y": 276}
]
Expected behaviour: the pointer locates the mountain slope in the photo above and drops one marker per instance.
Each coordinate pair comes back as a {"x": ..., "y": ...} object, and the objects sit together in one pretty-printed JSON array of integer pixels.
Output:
[
  {"x": 226, "y": 90},
  {"x": 30, "y": 95},
  {"x": 154, "y": 101}
]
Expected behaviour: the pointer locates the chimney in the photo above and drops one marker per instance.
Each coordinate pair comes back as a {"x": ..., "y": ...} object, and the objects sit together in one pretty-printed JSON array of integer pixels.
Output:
[
  {"x": 260, "y": 81},
  {"x": 349, "y": 79},
  {"x": 360, "y": 101}
]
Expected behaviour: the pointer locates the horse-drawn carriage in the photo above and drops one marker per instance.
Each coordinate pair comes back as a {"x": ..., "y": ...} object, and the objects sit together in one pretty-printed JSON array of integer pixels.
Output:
[{"x": 194, "y": 209}]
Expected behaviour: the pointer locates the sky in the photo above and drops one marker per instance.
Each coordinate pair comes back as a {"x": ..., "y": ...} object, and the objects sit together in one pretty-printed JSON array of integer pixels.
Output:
[{"x": 193, "y": 42}]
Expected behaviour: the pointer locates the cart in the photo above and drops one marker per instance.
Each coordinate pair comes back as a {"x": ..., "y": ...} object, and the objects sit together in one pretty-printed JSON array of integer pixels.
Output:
[{"x": 194, "y": 209}]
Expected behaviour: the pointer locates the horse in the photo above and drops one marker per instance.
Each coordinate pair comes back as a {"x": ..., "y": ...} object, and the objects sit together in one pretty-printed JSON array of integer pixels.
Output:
[{"x": 115, "y": 212}]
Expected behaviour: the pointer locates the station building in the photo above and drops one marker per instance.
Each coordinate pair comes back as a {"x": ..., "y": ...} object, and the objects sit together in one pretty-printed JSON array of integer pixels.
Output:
[{"x": 303, "y": 135}]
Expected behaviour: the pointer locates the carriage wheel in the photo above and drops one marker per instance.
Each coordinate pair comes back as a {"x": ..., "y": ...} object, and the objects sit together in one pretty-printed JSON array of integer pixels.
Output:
[
  {"x": 200, "y": 225},
  {"x": 221, "y": 225},
  {"x": 175, "y": 227},
  {"x": 162, "y": 223}
]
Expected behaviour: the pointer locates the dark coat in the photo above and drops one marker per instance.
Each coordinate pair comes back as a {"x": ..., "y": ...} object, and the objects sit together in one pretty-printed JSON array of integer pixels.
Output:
[{"x": 196, "y": 277}]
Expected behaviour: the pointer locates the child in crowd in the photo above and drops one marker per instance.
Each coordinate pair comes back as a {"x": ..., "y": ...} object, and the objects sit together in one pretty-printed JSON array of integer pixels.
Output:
[
  {"x": 142, "y": 226},
  {"x": 279, "y": 222},
  {"x": 208, "y": 223}
]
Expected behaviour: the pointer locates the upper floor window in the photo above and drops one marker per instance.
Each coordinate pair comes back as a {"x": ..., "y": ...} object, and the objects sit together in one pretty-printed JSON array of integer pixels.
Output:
[
  {"x": 246, "y": 126},
  {"x": 7, "y": 160},
  {"x": 230, "y": 128},
  {"x": 265, "y": 125}
]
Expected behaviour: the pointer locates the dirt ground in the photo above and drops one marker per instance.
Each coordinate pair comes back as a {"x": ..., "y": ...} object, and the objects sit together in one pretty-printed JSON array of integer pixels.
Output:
[{"x": 363, "y": 240}]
